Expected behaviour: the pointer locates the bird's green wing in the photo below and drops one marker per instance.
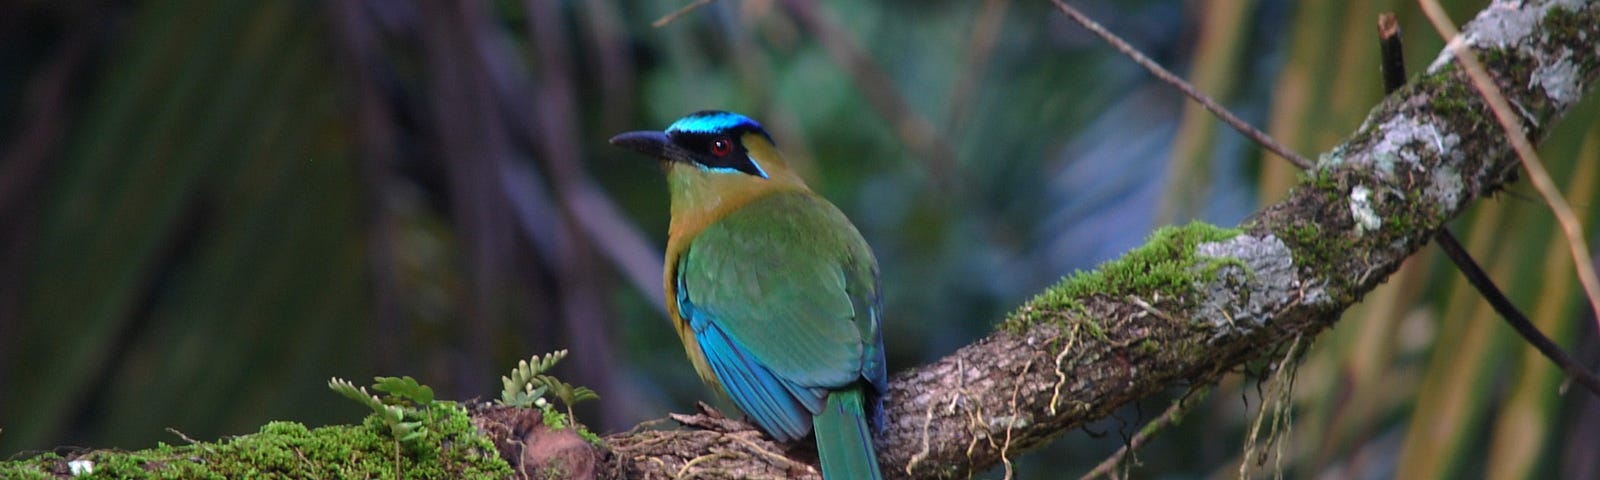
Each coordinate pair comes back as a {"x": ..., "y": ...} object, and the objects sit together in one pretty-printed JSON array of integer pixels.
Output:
[{"x": 786, "y": 287}]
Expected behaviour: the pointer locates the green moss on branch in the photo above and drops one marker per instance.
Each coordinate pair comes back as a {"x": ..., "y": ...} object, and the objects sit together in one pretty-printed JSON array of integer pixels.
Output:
[
  {"x": 1166, "y": 265},
  {"x": 453, "y": 448}
]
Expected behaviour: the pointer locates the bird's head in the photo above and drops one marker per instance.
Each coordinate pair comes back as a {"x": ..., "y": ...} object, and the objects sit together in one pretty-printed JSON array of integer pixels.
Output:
[
  {"x": 714, "y": 158},
  {"x": 712, "y": 144}
]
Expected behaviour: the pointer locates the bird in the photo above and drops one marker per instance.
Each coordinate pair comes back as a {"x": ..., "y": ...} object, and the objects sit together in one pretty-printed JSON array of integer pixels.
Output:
[{"x": 773, "y": 291}]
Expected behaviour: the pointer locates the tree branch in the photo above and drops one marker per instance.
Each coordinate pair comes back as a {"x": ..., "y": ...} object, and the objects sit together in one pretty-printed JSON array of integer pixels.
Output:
[
  {"x": 1194, "y": 303},
  {"x": 1081, "y": 350}
]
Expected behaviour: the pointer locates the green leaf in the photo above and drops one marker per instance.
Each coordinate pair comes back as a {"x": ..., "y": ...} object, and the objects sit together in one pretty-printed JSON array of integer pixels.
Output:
[
  {"x": 404, "y": 387},
  {"x": 359, "y": 394}
]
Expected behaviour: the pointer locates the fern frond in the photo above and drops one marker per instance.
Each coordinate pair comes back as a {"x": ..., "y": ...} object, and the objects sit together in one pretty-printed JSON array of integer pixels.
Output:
[
  {"x": 404, "y": 388},
  {"x": 404, "y": 397},
  {"x": 359, "y": 394},
  {"x": 525, "y": 377}
]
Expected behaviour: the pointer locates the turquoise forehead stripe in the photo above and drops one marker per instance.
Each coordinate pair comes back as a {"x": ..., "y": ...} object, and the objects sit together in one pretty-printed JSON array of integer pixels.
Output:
[{"x": 711, "y": 122}]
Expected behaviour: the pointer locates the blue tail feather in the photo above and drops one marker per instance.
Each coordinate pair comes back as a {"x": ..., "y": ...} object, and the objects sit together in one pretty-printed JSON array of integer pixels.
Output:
[{"x": 844, "y": 441}]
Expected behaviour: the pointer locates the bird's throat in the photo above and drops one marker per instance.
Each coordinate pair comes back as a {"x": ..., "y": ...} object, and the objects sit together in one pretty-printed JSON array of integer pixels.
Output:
[{"x": 701, "y": 197}]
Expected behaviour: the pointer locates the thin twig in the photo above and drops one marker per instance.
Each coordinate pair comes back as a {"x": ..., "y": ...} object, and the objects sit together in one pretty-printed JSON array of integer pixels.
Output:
[
  {"x": 1570, "y": 225},
  {"x": 1393, "y": 55},
  {"x": 984, "y": 38},
  {"x": 1394, "y": 76},
  {"x": 1227, "y": 117},
  {"x": 1497, "y": 299},
  {"x": 916, "y": 132},
  {"x": 1172, "y": 415},
  {"x": 185, "y": 438},
  {"x": 311, "y": 468},
  {"x": 917, "y": 389},
  {"x": 663, "y": 21}
]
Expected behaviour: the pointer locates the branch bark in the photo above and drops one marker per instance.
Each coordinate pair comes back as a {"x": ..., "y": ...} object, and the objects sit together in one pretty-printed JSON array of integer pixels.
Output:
[{"x": 1071, "y": 356}]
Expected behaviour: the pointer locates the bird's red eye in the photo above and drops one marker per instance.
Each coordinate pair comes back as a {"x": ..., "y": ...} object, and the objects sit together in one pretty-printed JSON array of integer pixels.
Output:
[{"x": 721, "y": 147}]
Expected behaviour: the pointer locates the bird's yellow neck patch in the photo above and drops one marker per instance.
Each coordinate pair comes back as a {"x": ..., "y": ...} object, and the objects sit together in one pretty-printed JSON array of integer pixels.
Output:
[{"x": 701, "y": 196}]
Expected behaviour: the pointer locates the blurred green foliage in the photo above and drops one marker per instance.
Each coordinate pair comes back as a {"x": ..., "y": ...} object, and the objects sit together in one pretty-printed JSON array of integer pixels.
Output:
[
  {"x": 197, "y": 246},
  {"x": 207, "y": 208}
]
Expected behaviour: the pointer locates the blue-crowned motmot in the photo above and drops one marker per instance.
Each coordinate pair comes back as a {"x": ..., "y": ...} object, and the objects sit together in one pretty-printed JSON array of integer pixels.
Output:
[{"x": 772, "y": 290}]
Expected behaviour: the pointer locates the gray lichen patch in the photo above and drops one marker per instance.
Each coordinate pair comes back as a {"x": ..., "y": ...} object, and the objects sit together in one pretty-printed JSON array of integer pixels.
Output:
[
  {"x": 1446, "y": 189},
  {"x": 1508, "y": 28},
  {"x": 1367, "y": 219},
  {"x": 1499, "y": 26},
  {"x": 1257, "y": 279},
  {"x": 1331, "y": 158},
  {"x": 1404, "y": 138},
  {"x": 1559, "y": 79},
  {"x": 1503, "y": 25}
]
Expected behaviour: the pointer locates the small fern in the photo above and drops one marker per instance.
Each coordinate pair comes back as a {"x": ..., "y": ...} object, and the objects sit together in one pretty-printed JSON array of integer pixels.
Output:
[
  {"x": 527, "y": 384},
  {"x": 404, "y": 388},
  {"x": 404, "y": 408}
]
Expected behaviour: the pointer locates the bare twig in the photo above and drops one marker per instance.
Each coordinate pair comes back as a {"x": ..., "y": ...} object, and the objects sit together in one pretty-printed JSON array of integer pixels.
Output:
[
  {"x": 1394, "y": 77},
  {"x": 183, "y": 436},
  {"x": 1173, "y": 414},
  {"x": 1570, "y": 225},
  {"x": 1393, "y": 56},
  {"x": 1211, "y": 105},
  {"x": 916, "y": 132},
  {"x": 1519, "y": 322},
  {"x": 668, "y": 18},
  {"x": 927, "y": 436},
  {"x": 984, "y": 36},
  {"x": 1393, "y": 68}
]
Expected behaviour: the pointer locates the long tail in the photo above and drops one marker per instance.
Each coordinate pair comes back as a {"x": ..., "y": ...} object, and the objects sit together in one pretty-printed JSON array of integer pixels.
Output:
[{"x": 844, "y": 444}]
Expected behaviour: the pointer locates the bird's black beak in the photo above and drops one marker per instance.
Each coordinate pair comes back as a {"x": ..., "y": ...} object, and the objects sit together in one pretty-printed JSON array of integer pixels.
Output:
[{"x": 654, "y": 144}]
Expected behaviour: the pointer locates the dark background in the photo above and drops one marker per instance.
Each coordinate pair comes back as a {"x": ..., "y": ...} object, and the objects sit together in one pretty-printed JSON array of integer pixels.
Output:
[{"x": 210, "y": 207}]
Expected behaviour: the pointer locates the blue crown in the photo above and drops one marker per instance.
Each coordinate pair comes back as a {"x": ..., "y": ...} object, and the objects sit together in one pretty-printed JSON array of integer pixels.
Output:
[{"x": 713, "y": 121}]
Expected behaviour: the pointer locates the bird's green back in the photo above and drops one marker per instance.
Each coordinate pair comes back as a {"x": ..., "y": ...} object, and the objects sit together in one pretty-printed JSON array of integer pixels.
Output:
[{"x": 791, "y": 279}]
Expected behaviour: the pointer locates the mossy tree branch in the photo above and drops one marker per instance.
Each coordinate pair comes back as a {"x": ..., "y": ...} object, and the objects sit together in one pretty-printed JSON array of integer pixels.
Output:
[
  {"x": 1194, "y": 303},
  {"x": 1094, "y": 343}
]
